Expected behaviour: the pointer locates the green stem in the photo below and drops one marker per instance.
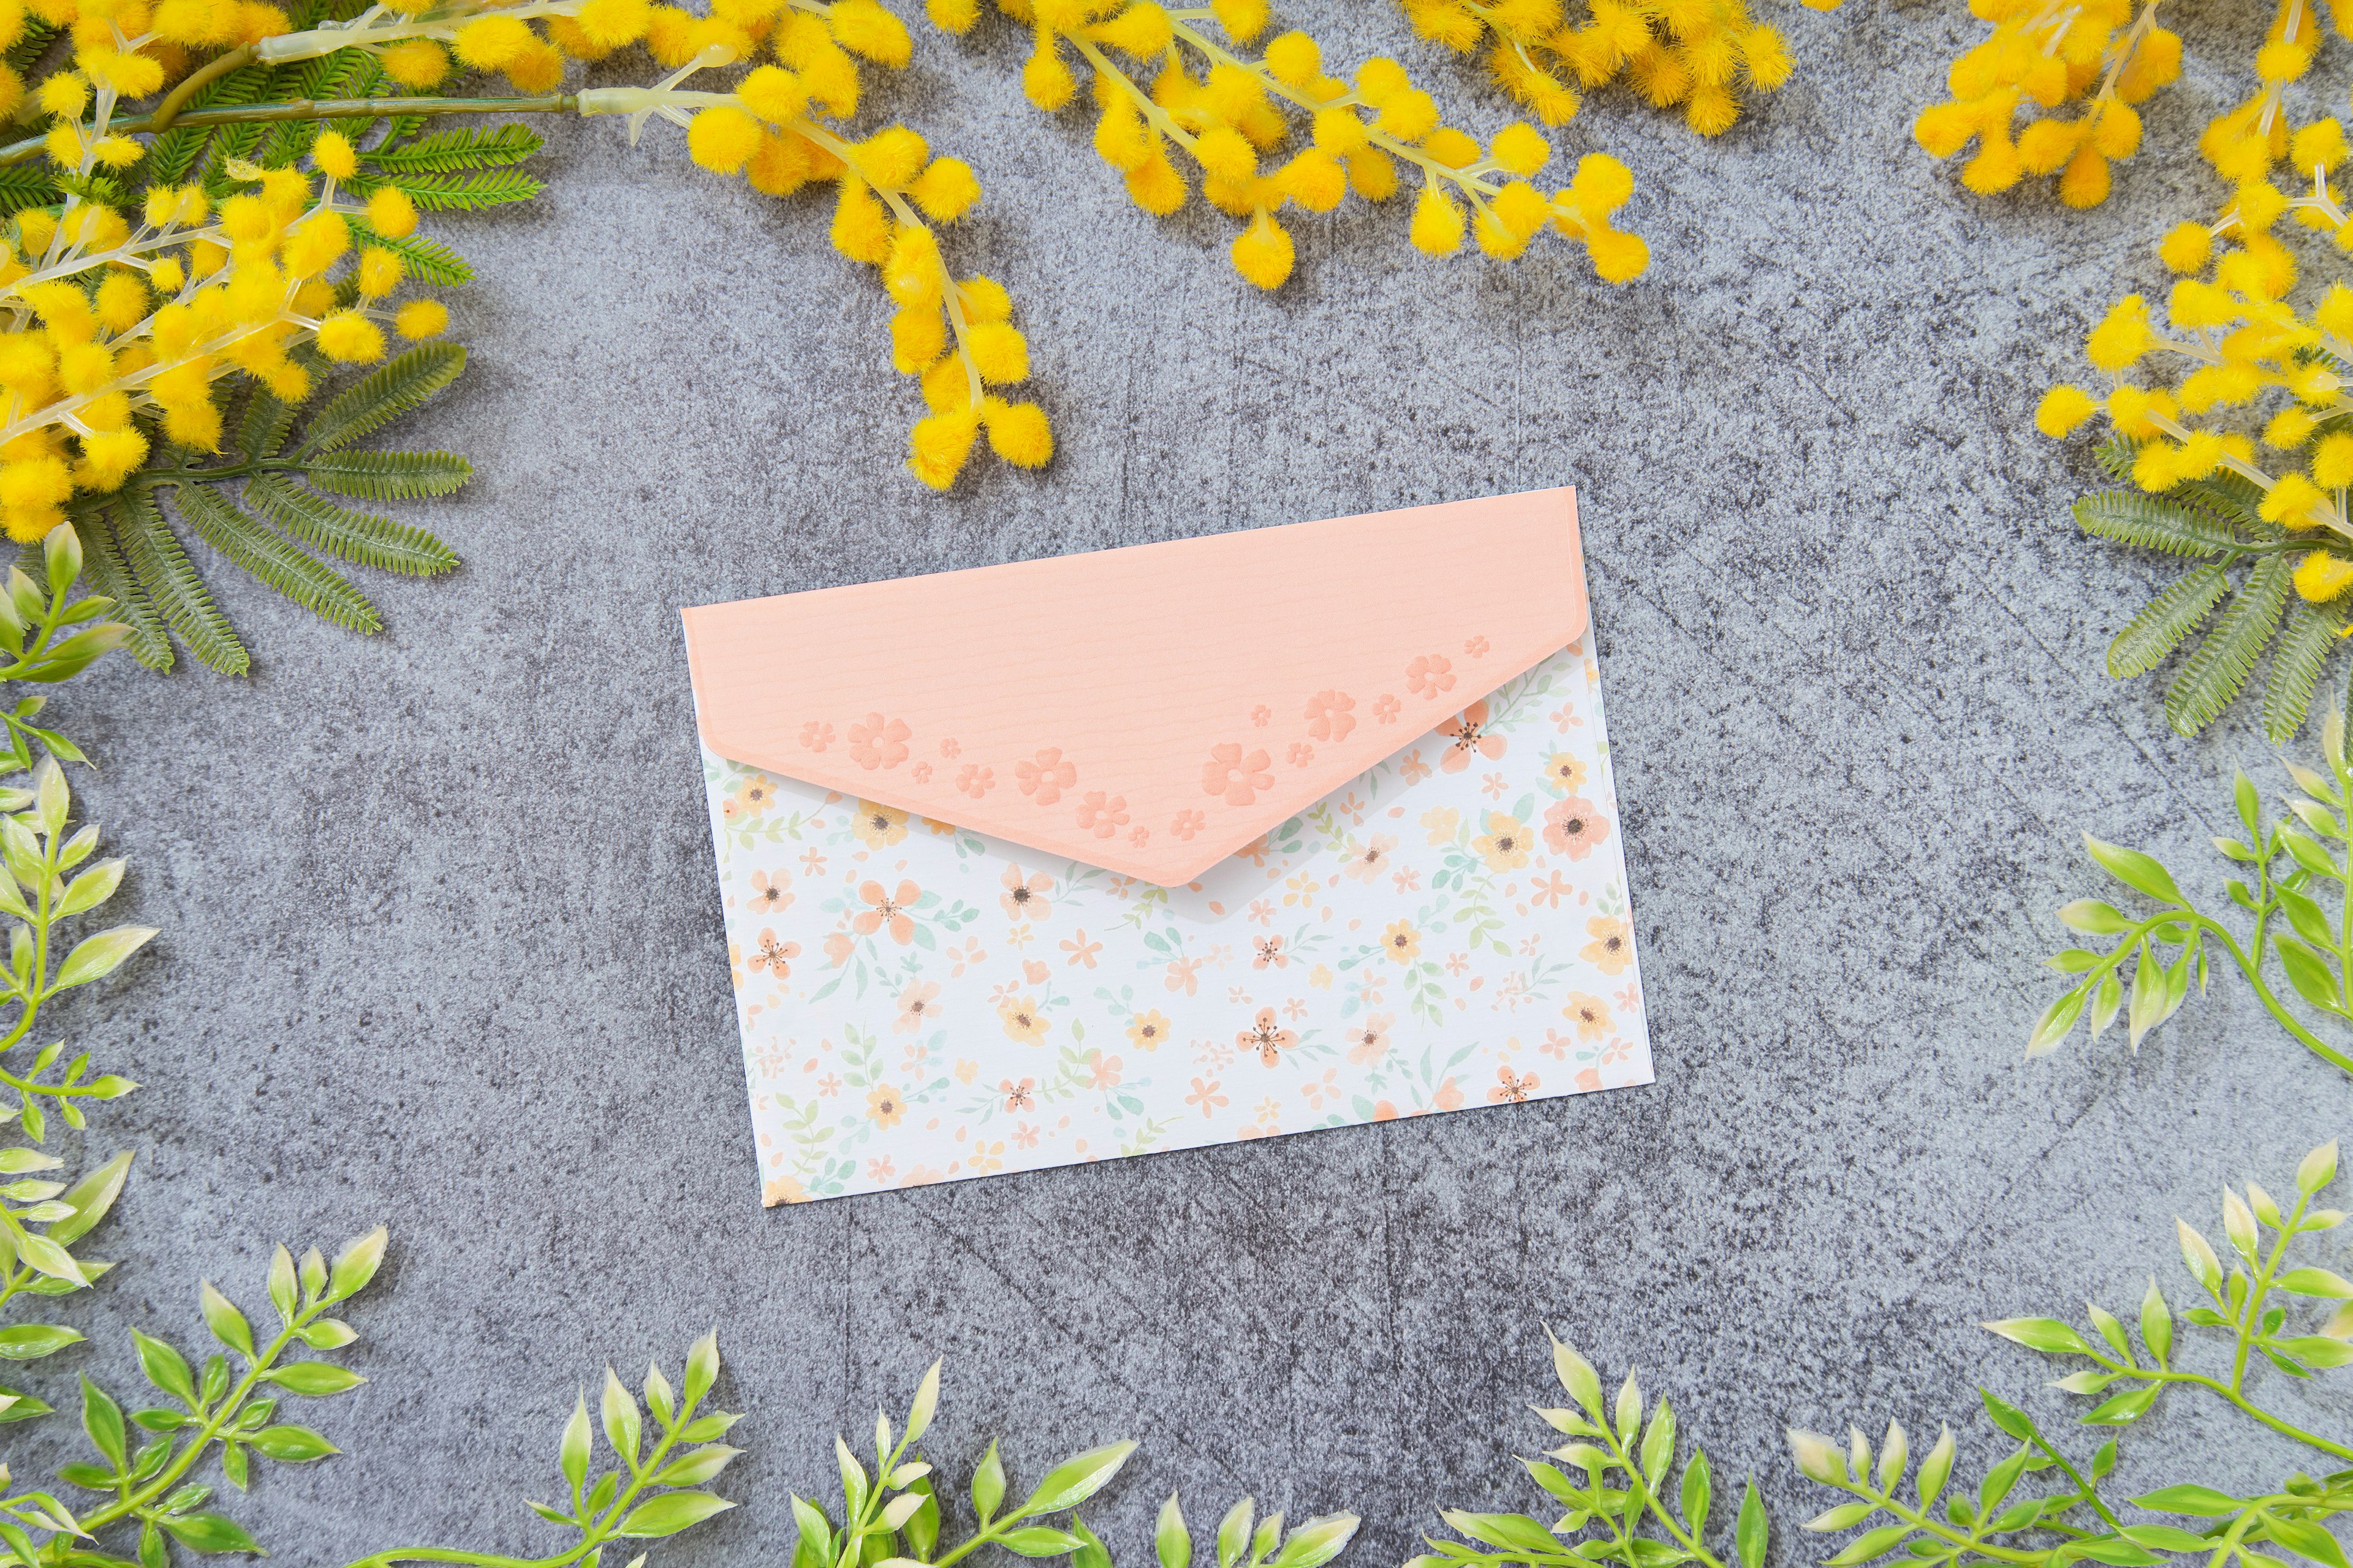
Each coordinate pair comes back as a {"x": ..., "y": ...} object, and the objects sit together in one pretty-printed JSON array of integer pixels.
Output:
[
  {"x": 314, "y": 109},
  {"x": 194, "y": 82},
  {"x": 231, "y": 1406},
  {"x": 2280, "y": 1015}
]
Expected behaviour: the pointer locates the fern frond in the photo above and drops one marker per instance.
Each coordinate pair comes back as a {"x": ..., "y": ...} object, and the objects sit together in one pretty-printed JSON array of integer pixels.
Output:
[
  {"x": 392, "y": 389},
  {"x": 178, "y": 150},
  {"x": 346, "y": 73},
  {"x": 428, "y": 261},
  {"x": 2152, "y": 522},
  {"x": 473, "y": 192},
  {"x": 452, "y": 152},
  {"x": 2115, "y": 456},
  {"x": 277, "y": 560},
  {"x": 371, "y": 540},
  {"x": 387, "y": 476},
  {"x": 109, "y": 573},
  {"x": 163, "y": 569},
  {"x": 2172, "y": 616},
  {"x": 2219, "y": 668},
  {"x": 2232, "y": 497},
  {"x": 2296, "y": 663},
  {"x": 266, "y": 419},
  {"x": 25, "y": 185},
  {"x": 29, "y": 45}
]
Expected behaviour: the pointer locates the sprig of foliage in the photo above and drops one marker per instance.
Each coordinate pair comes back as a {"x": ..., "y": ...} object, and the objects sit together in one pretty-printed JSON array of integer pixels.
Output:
[
  {"x": 215, "y": 1409},
  {"x": 654, "y": 1492},
  {"x": 2316, "y": 950},
  {"x": 1625, "y": 1466},
  {"x": 2215, "y": 519},
  {"x": 138, "y": 559},
  {"x": 2073, "y": 1522},
  {"x": 891, "y": 1517},
  {"x": 1310, "y": 1546}
]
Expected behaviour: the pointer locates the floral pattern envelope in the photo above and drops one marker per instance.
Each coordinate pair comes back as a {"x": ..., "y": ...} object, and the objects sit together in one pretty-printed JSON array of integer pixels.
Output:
[{"x": 922, "y": 1001}]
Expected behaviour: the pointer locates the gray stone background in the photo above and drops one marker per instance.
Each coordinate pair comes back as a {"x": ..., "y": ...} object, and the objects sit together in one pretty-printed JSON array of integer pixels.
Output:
[{"x": 441, "y": 945}]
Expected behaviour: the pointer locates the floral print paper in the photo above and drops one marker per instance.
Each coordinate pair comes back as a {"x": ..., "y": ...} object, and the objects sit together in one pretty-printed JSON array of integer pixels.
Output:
[{"x": 921, "y": 1003}]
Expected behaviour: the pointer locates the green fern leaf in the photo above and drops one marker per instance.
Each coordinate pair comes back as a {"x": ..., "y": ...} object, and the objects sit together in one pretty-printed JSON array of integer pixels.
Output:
[
  {"x": 371, "y": 540},
  {"x": 428, "y": 261},
  {"x": 2115, "y": 456},
  {"x": 162, "y": 568},
  {"x": 29, "y": 45},
  {"x": 472, "y": 192},
  {"x": 346, "y": 73},
  {"x": 2303, "y": 653},
  {"x": 388, "y": 476},
  {"x": 2231, "y": 497},
  {"x": 178, "y": 150},
  {"x": 109, "y": 573},
  {"x": 2152, "y": 522},
  {"x": 266, "y": 419},
  {"x": 452, "y": 152},
  {"x": 2172, "y": 616},
  {"x": 400, "y": 385},
  {"x": 25, "y": 185},
  {"x": 277, "y": 560},
  {"x": 2218, "y": 670}
]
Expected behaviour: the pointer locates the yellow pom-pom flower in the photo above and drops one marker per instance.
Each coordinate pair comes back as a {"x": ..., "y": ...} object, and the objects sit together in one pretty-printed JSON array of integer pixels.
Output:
[{"x": 2063, "y": 411}]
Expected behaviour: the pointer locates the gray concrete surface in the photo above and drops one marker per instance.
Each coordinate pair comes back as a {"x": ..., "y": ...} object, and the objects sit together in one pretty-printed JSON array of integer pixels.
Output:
[{"x": 441, "y": 947}]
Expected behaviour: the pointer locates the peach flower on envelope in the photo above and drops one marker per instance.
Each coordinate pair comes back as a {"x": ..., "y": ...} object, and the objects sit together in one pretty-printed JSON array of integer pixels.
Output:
[
  {"x": 1025, "y": 898},
  {"x": 1612, "y": 947},
  {"x": 1102, "y": 815},
  {"x": 1429, "y": 675},
  {"x": 1044, "y": 777},
  {"x": 1572, "y": 827},
  {"x": 1236, "y": 775},
  {"x": 1368, "y": 858},
  {"x": 1468, "y": 732},
  {"x": 1331, "y": 715},
  {"x": 890, "y": 911},
  {"x": 878, "y": 742}
]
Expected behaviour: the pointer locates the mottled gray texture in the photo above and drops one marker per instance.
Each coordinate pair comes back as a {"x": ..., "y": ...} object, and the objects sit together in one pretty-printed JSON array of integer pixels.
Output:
[{"x": 441, "y": 945}]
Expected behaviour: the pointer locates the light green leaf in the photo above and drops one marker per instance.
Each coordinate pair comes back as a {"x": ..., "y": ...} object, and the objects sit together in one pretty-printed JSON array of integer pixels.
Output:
[
  {"x": 670, "y": 1513},
  {"x": 1077, "y": 1479},
  {"x": 2048, "y": 1335},
  {"x": 227, "y": 1324},
  {"x": 95, "y": 957},
  {"x": 1172, "y": 1543}
]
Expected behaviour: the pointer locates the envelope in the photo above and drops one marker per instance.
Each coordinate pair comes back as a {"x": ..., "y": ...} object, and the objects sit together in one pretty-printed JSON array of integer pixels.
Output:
[{"x": 1038, "y": 864}]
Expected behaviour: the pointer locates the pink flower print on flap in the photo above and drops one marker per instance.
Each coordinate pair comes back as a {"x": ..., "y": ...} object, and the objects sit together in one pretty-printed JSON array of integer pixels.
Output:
[
  {"x": 1234, "y": 775},
  {"x": 1045, "y": 776},
  {"x": 1330, "y": 715},
  {"x": 878, "y": 742},
  {"x": 1430, "y": 674},
  {"x": 1102, "y": 815}
]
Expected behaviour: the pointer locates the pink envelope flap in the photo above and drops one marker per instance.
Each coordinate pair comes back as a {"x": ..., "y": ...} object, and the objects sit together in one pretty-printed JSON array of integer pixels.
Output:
[{"x": 1150, "y": 710}]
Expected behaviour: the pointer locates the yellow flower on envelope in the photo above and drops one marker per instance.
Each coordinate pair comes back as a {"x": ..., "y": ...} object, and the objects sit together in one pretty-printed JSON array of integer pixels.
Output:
[{"x": 1308, "y": 845}]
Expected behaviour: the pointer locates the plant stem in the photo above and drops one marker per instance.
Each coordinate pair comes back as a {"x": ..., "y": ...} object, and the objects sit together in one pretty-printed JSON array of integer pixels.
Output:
[
  {"x": 315, "y": 108},
  {"x": 211, "y": 70}
]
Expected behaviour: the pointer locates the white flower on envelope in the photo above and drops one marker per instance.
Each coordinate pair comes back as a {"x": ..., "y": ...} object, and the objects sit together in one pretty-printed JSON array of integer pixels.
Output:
[{"x": 1136, "y": 850}]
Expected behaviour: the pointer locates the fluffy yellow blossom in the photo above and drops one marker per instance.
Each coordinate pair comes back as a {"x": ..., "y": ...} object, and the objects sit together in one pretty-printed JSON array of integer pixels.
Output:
[
  {"x": 2096, "y": 58},
  {"x": 1274, "y": 132},
  {"x": 1698, "y": 54}
]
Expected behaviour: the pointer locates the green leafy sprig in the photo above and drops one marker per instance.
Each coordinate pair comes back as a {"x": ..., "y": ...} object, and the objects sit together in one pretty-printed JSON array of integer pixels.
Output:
[
  {"x": 2315, "y": 947},
  {"x": 225, "y": 1408},
  {"x": 1310, "y": 1546},
  {"x": 2074, "y": 1520},
  {"x": 1623, "y": 1467},
  {"x": 891, "y": 1517},
  {"x": 655, "y": 1491}
]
